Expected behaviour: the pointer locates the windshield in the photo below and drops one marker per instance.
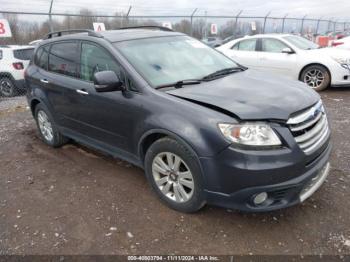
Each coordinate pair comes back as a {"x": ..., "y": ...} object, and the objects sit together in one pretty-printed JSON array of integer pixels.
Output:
[
  {"x": 301, "y": 42},
  {"x": 167, "y": 60}
]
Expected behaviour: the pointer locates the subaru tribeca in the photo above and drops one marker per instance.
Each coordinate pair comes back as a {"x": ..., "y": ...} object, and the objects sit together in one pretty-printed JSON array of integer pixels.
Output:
[{"x": 204, "y": 128}]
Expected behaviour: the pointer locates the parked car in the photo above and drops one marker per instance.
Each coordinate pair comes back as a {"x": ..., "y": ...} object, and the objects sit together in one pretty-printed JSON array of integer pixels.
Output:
[
  {"x": 293, "y": 57},
  {"x": 212, "y": 41},
  {"x": 204, "y": 129},
  {"x": 343, "y": 43},
  {"x": 13, "y": 61},
  {"x": 335, "y": 35}
]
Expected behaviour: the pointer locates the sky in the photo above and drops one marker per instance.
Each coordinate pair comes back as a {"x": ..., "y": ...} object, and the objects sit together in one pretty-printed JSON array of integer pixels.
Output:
[{"x": 327, "y": 9}]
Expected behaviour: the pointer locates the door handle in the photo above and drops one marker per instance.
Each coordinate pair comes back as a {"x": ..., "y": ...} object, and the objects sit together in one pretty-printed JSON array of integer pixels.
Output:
[
  {"x": 45, "y": 81},
  {"x": 82, "y": 92}
]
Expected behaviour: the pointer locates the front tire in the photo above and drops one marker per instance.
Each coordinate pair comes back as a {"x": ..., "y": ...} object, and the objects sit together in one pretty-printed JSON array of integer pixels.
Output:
[
  {"x": 317, "y": 77},
  {"x": 47, "y": 128},
  {"x": 174, "y": 173},
  {"x": 7, "y": 87}
]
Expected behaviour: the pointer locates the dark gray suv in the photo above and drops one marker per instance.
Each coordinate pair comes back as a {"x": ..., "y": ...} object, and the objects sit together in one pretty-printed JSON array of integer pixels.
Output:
[{"x": 204, "y": 128}]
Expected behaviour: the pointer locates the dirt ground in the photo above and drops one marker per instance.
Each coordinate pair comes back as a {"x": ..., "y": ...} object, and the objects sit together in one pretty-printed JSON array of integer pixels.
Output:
[{"x": 75, "y": 201}]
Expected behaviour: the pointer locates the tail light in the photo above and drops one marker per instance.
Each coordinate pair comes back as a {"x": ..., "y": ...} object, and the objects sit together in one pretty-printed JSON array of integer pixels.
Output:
[
  {"x": 337, "y": 43},
  {"x": 18, "y": 66}
]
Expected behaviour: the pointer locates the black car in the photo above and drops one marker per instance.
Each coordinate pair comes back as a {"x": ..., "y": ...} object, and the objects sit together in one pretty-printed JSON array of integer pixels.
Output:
[{"x": 205, "y": 129}]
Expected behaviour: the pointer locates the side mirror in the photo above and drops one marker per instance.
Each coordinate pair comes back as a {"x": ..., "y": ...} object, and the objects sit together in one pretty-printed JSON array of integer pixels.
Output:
[
  {"x": 107, "y": 81},
  {"x": 287, "y": 50}
]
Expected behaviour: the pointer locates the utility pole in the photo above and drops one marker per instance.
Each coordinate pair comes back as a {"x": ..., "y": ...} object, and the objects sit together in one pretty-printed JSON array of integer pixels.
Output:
[
  {"x": 318, "y": 25},
  {"x": 194, "y": 11},
  {"x": 302, "y": 25},
  {"x": 50, "y": 16},
  {"x": 265, "y": 18},
  {"x": 206, "y": 26},
  {"x": 284, "y": 20},
  {"x": 329, "y": 23},
  {"x": 127, "y": 17},
  {"x": 236, "y": 22},
  {"x": 334, "y": 25}
]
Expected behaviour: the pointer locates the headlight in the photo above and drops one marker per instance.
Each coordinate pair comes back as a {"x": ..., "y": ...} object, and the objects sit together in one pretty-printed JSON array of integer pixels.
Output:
[
  {"x": 343, "y": 62},
  {"x": 250, "y": 134}
]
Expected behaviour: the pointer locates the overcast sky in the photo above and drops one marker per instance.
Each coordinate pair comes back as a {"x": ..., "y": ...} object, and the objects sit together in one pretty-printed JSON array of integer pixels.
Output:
[{"x": 338, "y": 9}]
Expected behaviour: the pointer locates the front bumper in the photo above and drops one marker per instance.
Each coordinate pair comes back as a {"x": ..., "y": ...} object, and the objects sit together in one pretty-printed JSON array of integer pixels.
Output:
[
  {"x": 287, "y": 176},
  {"x": 341, "y": 76}
]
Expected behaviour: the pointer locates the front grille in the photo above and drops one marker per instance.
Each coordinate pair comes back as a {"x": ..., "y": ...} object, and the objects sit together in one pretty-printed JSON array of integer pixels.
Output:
[{"x": 310, "y": 128}]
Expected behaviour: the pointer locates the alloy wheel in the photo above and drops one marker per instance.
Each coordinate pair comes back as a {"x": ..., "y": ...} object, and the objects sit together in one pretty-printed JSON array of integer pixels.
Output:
[
  {"x": 314, "y": 78},
  {"x": 173, "y": 177},
  {"x": 45, "y": 125},
  {"x": 6, "y": 87}
]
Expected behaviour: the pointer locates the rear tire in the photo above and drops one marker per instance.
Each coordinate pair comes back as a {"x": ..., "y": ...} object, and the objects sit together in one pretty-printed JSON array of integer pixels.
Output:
[
  {"x": 174, "y": 173},
  {"x": 317, "y": 77},
  {"x": 47, "y": 128},
  {"x": 7, "y": 87}
]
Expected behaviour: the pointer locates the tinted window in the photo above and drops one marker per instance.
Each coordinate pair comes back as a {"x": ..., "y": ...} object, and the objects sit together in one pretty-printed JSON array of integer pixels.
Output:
[
  {"x": 62, "y": 58},
  {"x": 245, "y": 45},
  {"x": 23, "y": 54},
  {"x": 41, "y": 57},
  {"x": 272, "y": 45},
  {"x": 96, "y": 59},
  {"x": 0, "y": 54}
]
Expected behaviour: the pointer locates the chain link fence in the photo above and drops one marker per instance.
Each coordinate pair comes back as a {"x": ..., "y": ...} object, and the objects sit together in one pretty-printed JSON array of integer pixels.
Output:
[{"x": 27, "y": 27}]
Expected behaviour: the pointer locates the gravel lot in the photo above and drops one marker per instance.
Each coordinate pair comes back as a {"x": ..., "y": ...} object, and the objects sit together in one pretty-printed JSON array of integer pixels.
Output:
[{"x": 73, "y": 200}]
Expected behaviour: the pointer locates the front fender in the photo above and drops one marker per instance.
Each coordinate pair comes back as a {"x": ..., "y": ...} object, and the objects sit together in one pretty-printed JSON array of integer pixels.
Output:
[{"x": 203, "y": 138}]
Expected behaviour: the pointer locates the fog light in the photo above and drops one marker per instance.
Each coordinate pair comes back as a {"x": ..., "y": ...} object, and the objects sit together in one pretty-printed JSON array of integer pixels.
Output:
[{"x": 260, "y": 198}]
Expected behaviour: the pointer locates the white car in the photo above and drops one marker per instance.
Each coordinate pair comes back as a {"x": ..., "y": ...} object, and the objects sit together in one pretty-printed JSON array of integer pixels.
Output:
[
  {"x": 13, "y": 61},
  {"x": 343, "y": 43},
  {"x": 292, "y": 56}
]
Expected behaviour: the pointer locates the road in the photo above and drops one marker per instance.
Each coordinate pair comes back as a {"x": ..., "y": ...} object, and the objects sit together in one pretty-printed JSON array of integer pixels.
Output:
[{"x": 74, "y": 200}]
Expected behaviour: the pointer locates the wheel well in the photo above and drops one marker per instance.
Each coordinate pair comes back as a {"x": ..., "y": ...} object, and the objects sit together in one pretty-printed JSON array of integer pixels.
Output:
[
  {"x": 33, "y": 105},
  {"x": 314, "y": 64},
  {"x": 148, "y": 141}
]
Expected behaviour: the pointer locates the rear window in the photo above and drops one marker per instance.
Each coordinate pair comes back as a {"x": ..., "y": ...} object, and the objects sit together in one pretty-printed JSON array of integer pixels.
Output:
[
  {"x": 41, "y": 57},
  {"x": 245, "y": 45},
  {"x": 62, "y": 58},
  {"x": 23, "y": 54}
]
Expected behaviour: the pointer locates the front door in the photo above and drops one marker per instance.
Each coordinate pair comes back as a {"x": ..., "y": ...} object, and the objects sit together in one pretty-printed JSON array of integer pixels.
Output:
[
  {"x": 104, "y": 117},
  {"x": 273, "y": 60}
]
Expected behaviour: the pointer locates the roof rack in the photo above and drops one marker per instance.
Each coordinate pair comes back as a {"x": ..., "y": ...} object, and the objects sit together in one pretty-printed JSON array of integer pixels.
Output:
[
  {"x": 161, "y": 28},
  {"x": 59, "y": 33}
]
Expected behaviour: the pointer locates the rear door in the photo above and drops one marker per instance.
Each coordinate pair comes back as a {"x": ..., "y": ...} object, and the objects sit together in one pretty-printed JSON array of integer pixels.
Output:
[
  {"x": 272, "y": 59},
  {"x": 108, "y": 117},
  {"x": 244, "y": 52},
  {"x": 61, "y": 75}
]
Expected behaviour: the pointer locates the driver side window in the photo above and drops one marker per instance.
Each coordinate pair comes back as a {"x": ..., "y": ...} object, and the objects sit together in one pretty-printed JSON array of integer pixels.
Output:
[
  {"x": 272, "y": 45},
  {"x": 95, "y": 59}
]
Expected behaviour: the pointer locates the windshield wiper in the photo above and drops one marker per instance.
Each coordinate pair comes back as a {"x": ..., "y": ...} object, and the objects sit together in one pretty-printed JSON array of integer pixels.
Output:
[
  {"x": 223, "y": 72},
  {"x": 181, "y": 83}
]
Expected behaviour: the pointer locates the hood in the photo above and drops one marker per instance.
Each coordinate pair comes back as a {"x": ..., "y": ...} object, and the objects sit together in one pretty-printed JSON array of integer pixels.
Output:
[
  {"x": 251, "y": 95},
  {"x": 330, "y": 51}
]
